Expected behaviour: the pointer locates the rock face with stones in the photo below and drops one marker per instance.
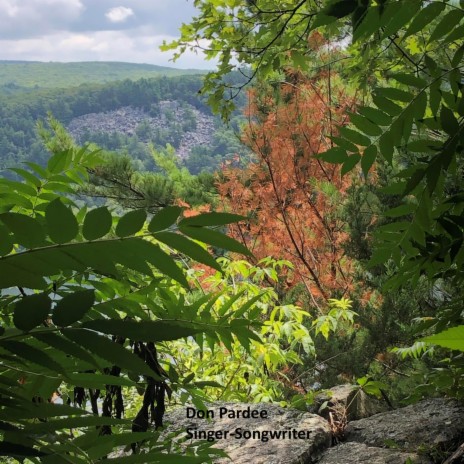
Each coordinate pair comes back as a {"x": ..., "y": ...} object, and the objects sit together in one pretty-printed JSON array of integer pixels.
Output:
[
  {"x": 261, "y": 439},
  {"x": 424, "y": 433},
  {"x": 433, "y": 424},
  {"x": 354, "y": 453}
]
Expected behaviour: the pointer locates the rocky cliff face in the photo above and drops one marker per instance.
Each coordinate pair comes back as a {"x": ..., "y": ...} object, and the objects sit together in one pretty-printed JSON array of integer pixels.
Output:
[
  {"x": 168, "y": 115},
  {"x": 425, "y": 433}
]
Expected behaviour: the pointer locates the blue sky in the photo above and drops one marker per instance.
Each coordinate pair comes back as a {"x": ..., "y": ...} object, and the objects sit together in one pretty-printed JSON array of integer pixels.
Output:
[{"x": 94, "y": 30}]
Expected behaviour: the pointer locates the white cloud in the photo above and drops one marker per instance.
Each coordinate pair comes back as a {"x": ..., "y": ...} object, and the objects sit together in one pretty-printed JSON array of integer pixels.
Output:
[
  {"x": 131, "y": 46},
  {"x": 119, "y": 14},
  {"x": 26, "y": 18}
]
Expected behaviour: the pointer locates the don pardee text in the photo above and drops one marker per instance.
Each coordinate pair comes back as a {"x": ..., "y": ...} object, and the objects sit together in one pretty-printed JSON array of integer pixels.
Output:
[
  {"x": 247, "y": 413},
  {"x": 239, "y": 433}
]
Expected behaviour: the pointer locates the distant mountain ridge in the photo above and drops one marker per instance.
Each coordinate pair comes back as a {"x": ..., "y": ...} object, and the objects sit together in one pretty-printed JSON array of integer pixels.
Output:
[{"x": 37, "y": 74}]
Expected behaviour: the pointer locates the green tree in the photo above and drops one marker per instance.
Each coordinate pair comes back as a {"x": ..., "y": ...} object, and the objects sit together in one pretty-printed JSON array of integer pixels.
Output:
[
  {"x": 407, "y": 58},
  {"x": 87, "y": 298}
]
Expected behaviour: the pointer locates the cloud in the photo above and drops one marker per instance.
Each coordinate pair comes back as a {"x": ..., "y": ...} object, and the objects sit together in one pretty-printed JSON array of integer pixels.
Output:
[
  {"x": 119, "y": 14},
  {"x": 95, "y": 30},
  {"x": 129, "y": 46},
  {"x": 28, "y": 18}
]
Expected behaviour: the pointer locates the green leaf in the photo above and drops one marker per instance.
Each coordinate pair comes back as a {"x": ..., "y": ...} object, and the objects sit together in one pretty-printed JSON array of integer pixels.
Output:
[
  {"x": 335, "y": 9},
  {"x": 452, "y": 338},
  {"x": 334, "y": 155},
  {"x": 212, "y": 219},
  {"x": 155, "y": 255},
  {"x": 425, "y": 16},
  {"x": 457, "y": 57},
  {"x": 368, "y": 159},
  {"x": 97, "y": 223},
  {"x": 147, "y": 331},
  {"x": 27, "y": 231},
  {"x": 343, "y": 143},
  {"x": 350, "y": 163},
  {"x": 31, "y": 311},
  {"x": 392, "y": 93},
  {"x": 409, "y": 79},
  {"x": 448, "y": 121},
  {"x": 364, "y": 125},
  {"x": 98, "y": 381},
  {"x": 401, "y": 16},
  {"x": 24, "y": 351},
  {"x": 188, "y": 247},
  {"x": 424, "y": 145},
  {"x": 13, "y": 276},
  {"x": 386, "y": 105},
  {"x": 207, "y": 383},
  {"x": 15, "y": 450},
  {"x": 131, "y": 223},
  {"x": 73, "y": 422},
  {"x": 164, "y": 219},
  {"x": 340, "y": 8},
  {"x": 6, "y": 244},
  {"x": 59, "y": 162},
  {"x": 40, "y": 411},
  {"x": 66, "y": 346},
  {"x": 386, "y": 146},
  {"x": 108, "y": 350},
  {"x": 447, "y": 23},
  {"x": 376, "y": 116},
  {"x": 366, "y": 21},
  {"x": 73, "y": 307},
  {"x": 354, "y": 136},
  {"x": 214, "y": 238},
  {"x": 28, "y": 177},
  {"x": 61, "y": 223},
  {"x": 401, "y": 210},
  {"x": 456, "y": 34}
]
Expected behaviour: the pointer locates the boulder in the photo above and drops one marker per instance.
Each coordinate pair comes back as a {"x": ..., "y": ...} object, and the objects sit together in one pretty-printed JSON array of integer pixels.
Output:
[
  {"x": 434, "y": 427},
  {"x": 354, "y": 453},
  {"x": 348, "y": 400},
  {"x": 255, "y": 433}
]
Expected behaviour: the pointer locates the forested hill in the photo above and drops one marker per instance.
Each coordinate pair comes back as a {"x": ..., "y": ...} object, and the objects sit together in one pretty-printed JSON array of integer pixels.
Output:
[
  {"x": 124, "y": 115},
  {"x": 16, "y": 75}
]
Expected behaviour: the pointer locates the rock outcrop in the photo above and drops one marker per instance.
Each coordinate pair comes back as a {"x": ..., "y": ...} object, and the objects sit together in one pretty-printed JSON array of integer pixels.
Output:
[
  {"x": 425, "y": 433},
  {"x": 349, "y": 400},
  {"x": 430, "y": 425},
  {"x": 275, "y": 436},
  {"x": 125, "y": 120},
  {"x": 358, "y": 453}
]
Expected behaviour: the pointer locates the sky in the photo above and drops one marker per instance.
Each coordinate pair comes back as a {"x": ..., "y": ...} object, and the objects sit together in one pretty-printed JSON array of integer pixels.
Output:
[{"x": 95, "y": 30}]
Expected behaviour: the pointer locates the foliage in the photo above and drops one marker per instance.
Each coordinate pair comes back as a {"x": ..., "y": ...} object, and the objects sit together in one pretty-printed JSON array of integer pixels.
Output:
[
  {"x": 20, "y": 111},
  {"x": 117, "y": 181},
  {"x": 87, "y": 297},
  {"x": 291, "y": 195},
  {"x": 408, "y": 55},
  {"x": 268, "y": 371},
  {"x": 64, "y": 75}
]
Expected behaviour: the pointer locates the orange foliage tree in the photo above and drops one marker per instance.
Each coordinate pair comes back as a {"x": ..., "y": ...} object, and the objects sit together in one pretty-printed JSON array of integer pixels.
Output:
[{"x": 292, "y": 196}]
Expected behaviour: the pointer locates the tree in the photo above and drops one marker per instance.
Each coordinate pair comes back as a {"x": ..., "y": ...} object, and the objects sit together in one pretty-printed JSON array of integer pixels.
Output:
[
  {"x": 290, "y": 194},
  {"x": 86, "y": 301},
  {"x": 408, "y": 55}
]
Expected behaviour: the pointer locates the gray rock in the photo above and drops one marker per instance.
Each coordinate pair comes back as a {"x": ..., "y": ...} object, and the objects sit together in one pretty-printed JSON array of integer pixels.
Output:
[
  {"x": 348, "y": 400},
  {"x": 256, "y": 446},
  {"x": 354, "y": 453},
  {"x": 430, "y": 426}
]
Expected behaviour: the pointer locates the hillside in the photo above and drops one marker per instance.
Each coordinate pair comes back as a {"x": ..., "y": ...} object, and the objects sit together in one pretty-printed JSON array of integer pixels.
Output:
[
  {"x": 35, "y": 74},
  {"x": 126, "y": 116}
]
